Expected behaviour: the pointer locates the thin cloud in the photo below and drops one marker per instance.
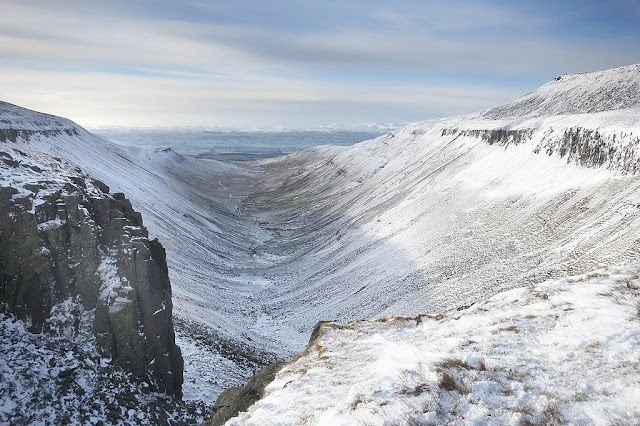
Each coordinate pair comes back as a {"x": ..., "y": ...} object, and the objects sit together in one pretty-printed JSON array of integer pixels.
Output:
[
  {"x": 218, "y": 49},
  {"x": 202, "y": 63},
  {"x": 242, "y": 101}
]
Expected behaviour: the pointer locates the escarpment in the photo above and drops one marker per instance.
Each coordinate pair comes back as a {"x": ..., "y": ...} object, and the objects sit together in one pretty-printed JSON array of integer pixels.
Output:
[
  {"x": 21, "y": 124},
  {"x": 63, "y": 238},
  {"x": 582, "y": 146}
]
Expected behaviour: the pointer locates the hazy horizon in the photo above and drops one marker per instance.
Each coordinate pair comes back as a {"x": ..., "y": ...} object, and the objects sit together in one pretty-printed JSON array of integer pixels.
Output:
[
  {"x": 250, "y": 64},
  {"x": 231, "y": 145}
]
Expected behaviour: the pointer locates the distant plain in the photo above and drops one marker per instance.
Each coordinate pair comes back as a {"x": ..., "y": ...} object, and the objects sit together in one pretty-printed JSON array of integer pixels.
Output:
[{"x": 234, "y": 145}]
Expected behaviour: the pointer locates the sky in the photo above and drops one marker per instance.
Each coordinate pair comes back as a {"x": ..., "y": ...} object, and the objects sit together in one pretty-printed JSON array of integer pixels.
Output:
[{"x": 297, "y": 64}]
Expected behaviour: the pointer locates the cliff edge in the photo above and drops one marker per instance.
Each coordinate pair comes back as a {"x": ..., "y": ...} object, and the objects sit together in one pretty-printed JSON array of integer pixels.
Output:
[{"x": 65, "y": 241}]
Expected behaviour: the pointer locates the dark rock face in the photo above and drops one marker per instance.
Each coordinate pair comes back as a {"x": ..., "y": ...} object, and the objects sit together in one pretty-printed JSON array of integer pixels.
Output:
[
  {"x": 13, "y": 135},
  {"x": 503, "y": 137},
  {"x": 235, "y": 400},
  {"x": 62, "y": 236},
  {"x": 580, "y": 146}
]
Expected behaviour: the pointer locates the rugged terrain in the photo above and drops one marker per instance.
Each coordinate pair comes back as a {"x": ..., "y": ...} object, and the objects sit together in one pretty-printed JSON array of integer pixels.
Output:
[
  {"x": 76, "y": 265},
  {"x": 191, "y": 206},
  {"x": 431, "y": 217},
  {"x": 440, "y": 215},
  {"x": 560, "y": 352}
]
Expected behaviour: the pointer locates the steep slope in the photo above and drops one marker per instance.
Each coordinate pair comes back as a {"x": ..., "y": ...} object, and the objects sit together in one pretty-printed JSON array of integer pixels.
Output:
[
  {"x": 433, "y": 216},
  {"x": 191, "y": 206},
  {"x": 560, "y": 352},
  {"x": 606, "y": 90},
  {"x": 442, "y": 213},
  {"x": 85, "y": 299},
  {"x": 64, "y": 238}
]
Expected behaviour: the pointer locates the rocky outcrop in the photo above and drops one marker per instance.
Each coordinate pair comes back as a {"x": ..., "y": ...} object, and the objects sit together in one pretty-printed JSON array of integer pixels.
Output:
[
  {"x": 20, "y": 124},
  {"x": 63, "y": 236},
  {"x": 500, "y": 136},
  {"x": 580, "y": 146},
  {"x": 235, "y": 400}
]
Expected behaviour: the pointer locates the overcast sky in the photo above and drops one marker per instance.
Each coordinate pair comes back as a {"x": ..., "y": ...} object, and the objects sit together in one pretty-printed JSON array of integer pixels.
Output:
[{"x": 297, "y": 63}]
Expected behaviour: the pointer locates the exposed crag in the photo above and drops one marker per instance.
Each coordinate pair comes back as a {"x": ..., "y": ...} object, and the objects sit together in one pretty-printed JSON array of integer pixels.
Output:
[
  {"x": 619, "y": 151},
  {"x": 63, "y": 238},
  {"x": 18, "y": 124}
]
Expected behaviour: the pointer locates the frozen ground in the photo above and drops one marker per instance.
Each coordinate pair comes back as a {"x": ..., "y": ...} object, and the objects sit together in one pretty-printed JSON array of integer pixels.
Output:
[
  {"x": 564, "y": 351},
  {"x": 57, "y": 377},
  {"x": 431, "y": 217}
]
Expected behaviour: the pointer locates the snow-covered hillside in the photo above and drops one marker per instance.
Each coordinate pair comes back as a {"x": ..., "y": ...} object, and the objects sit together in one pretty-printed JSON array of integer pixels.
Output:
[
  {"x": 191, "y": 206},
  {"x": 431, "y": 217},
  {"x": 560, "y": 352},
  {"x": 606, "y": 90},
  {"x": 442, "y": 213}
]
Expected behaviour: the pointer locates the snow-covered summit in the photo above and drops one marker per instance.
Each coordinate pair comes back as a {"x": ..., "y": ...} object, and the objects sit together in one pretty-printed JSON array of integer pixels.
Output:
[
  {"x": 599, "y": 91},
  {"x": 18, "y": 118}
]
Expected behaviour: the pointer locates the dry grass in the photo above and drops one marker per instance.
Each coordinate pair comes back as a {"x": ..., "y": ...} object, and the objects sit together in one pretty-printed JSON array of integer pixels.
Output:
[
  {"x": 417, "y": 390},
  {"x": 524, "y": 407},
  {"x": 593, "y": 347},
  {"x": 453, "y": 363},
  {"x": 550, "y": 416},
  {"x": 402, "y": 319},
  {"x": 412, "y": 421},
  {"x": 516, "y": 375},
  {"x": 447, "y": 382},
  {"x": 624, "y": 293},
  {"x": 629, "y": 418},
  {"x": 354, "y": 404},
  {"x": 450, "y": 384},
  {"x": 456, "y": 363},
  {"x": 450, "y": 368}
]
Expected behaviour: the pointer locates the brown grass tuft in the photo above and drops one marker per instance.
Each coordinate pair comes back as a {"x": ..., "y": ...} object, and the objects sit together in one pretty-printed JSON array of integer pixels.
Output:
[
  {"x": 453, "y": 363},
  {"x": 550, "y": 416},
  {"x": 448, "y": 383}
]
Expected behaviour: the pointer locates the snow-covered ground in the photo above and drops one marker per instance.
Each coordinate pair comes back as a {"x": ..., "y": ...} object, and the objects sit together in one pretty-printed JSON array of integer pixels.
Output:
[
  {"x": 57, "y": 377},
  {"x": 611, "y": 89},
  {"x": 436, "y": 216},
  {"x": 433, "y": 216},
  {"x": 564, "y": 351}
]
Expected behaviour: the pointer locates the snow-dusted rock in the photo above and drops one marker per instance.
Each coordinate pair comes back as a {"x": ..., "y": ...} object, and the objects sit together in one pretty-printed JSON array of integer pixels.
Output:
[
  {"x": 433, "y": 216},
  {"x": 64, "y": 237}
]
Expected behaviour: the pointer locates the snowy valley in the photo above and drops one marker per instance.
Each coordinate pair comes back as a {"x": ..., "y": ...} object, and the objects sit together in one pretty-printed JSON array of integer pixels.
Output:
[{"x": 447, "y": 215}]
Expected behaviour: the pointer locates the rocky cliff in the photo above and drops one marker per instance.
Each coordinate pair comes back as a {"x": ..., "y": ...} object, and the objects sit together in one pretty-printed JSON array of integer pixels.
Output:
[{"x": 64, "y": 238}]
